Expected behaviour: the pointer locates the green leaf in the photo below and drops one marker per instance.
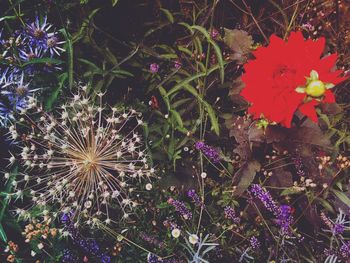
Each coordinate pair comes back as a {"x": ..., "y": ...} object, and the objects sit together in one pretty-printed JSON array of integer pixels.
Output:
[
  {"x": 177, "y": 117},
  {"x": 168, "y": 14},
  {"x": 216, "y": 49},
  {"x": 69, "y": 49},
  {"x": 181, "y": 84},
  {"x": 342, "y": 196},
  {"x": 54, "y": 95},
  {"x": 3, "y": 236},
  {"x": 42, "y": 61},
  {"x": 114, "y": 2},
  {"x": 7, "y": 18},
  {"x": 212, "y": 116}
]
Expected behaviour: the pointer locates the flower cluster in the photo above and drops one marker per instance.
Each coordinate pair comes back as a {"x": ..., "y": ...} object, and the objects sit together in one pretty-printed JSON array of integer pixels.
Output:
[
  {"x": 194, "y": 196},
  {"x": 69, "y": 256},
  {"x": 89, "y": 246},
  {"x": 231, "y": 214},
  {"x": 152, "y": 240},
  {"x": 86, "y": 158},
  {"x": 299, "y": 166},
  {"x": 181, "y": 208},
  {"x": 38, "y": 230},
  {"x": 17, "y": 54},
  {"x": 254, "y": 242},
  {"x": 265, "y": 197},
  {"x": 152, "y": 258},
  {"x": 282, "y": 213},
  {"x": 211, "y": 153},
  {"x": 345, "y": 249},
  {"x": 285, "y": 219}
]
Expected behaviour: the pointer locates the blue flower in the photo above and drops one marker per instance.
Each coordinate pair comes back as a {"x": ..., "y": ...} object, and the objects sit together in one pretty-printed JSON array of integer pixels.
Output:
[
  {"x": 38, "y": 32},
  {"x": 17, "y": 89},
  {"x": 6, "y": 114},
  {"x": 53, "y": 45},
  {"x": 40, "y": 38}
]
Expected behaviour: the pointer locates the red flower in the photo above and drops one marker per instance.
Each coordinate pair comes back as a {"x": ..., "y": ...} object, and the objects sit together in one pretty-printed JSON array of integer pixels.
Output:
[{"x": 286, "y": 76}]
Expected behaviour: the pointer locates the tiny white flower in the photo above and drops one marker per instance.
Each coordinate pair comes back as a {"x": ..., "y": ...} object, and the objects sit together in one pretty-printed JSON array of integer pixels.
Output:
[
  {"x": 149, "y": 187},
  {"x": 40, "y": 246},
  {"x": 176, "y": 232},
  {"x": 193, "y": 238},
  {"x": 203, "y": 175},
  {"x": 32, "y": 253}
]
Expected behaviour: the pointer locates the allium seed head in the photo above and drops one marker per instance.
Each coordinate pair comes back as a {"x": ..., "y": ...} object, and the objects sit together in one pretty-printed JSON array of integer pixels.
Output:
[{"x": 81, "y": 160}]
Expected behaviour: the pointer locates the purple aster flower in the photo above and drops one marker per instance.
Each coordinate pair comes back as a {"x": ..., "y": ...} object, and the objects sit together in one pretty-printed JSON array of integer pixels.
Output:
[
  {"x": 31, "y": 53},
  {"x": 18, "y": 91},
  {"x": 193, "y": 195},
  {"x": 53, "y": 45},
  {"x": 254, "y": 242},
  {"x": 6, "y": 113},
  {"x": 181, "y": 208},
  {"x": 37, "y": 32},
  {"x": 154, "y": 67},
  {"x": 231, "y": 214}
]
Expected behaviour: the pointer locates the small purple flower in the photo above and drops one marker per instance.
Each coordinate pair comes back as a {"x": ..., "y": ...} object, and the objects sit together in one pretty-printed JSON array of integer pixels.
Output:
[
  {"x": 264, "y": 196},
  {"x": 177, "y": 64},
  {"x": 254, "y": 242},
  {"x": 154, "y": 67},
  {"x": 181, "y": 208},
  {"x": 151, "y": 240},
  {"x": 89, "y": 246},
  {"x": 199, "y": 145},
  {"x": 231, "y": 214},
  {"x": 214, "y": 33},
  {"x": 345, "y": 250},
  {"x": 193, "y": 195},
  {"x": 70, "y": 257},
  {"x": 338, "y": 229},
  {"x": 285, "y": 219},
  {"x": 299, "y": 166},
  {"x": 211, "y": 153}
]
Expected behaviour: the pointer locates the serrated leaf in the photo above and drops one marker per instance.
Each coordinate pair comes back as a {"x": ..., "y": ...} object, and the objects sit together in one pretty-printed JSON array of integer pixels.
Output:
[{"x": 245, "y": 176}]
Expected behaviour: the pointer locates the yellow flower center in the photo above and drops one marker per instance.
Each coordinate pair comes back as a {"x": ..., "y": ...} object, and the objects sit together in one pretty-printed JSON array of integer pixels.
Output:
[{"x": 315, "y": 88}]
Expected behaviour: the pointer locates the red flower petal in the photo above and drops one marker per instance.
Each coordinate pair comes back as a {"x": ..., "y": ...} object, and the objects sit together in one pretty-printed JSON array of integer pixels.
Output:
[{"x": 308, "y": 109}]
